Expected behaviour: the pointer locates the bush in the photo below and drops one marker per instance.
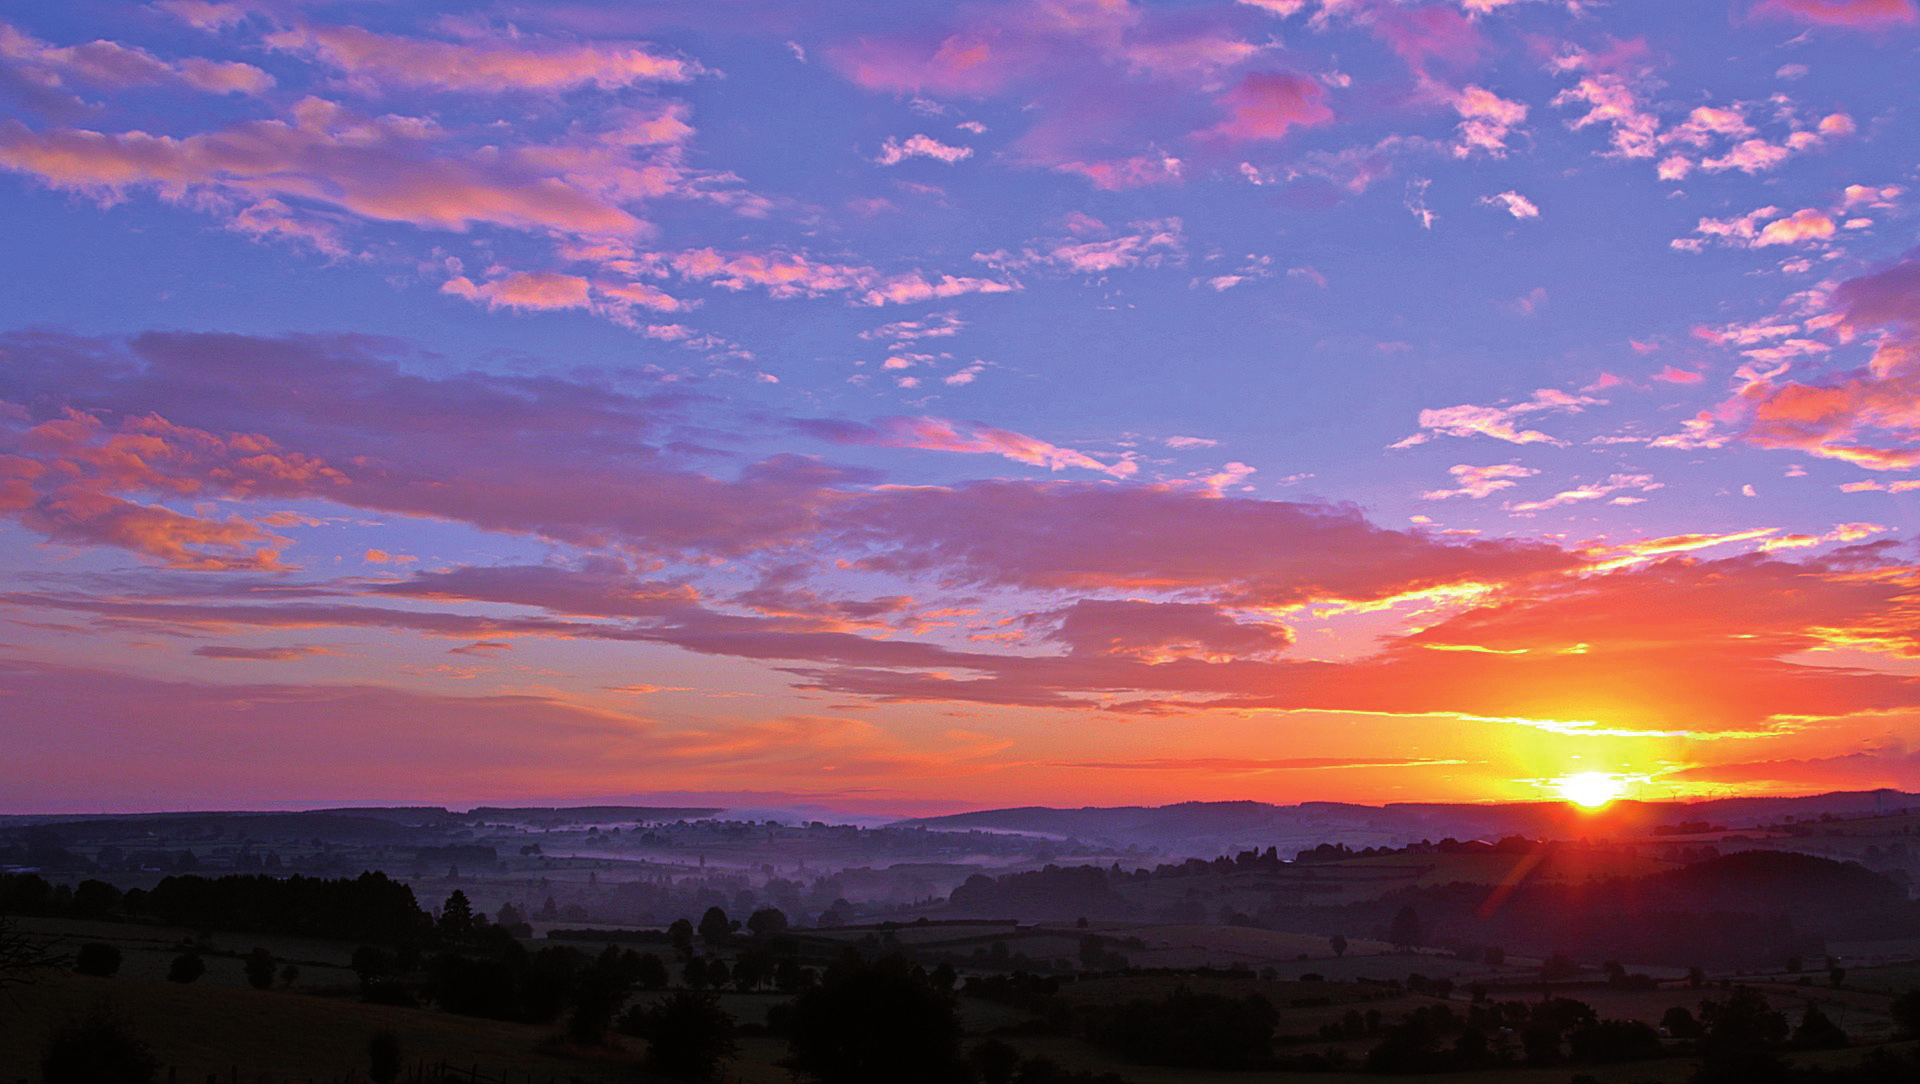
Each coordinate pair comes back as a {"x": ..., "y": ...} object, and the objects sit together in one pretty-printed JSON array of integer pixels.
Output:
[
  {"x": 97, "y": 1049},
  {"x": 383, "y": 1057},
  {"x": 260, "y": 969},
  {"x": 98, "y": 960},
  {"x": 186, "y": 967}
]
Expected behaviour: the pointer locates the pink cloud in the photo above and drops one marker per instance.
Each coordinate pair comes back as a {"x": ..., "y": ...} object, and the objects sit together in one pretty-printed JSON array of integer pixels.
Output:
[
  {"x": 1094, "y": 248},
  {"x": 1479, "y": 482},
  {"x": 1671, "y": 375},
  {"x": 257, "y": 654},
  {"x": 1592, "y": 491},
  {"x": 1611, "y": 101},
  {"x": 1862, "y": 13},
  {"x": 1866, "y": 416},
  {"x": 112, "y": 66},
  {"x": 524, "y": 290},
  {"x": 1802, "y": 225},
  {"x": 894, "y": 151},
  {"x": 1749, "y": 156},
  {"x": 1486, "y": 121},
  {"x": 1499, "y": 422},
  {"x": 1118, "y": 174},
  {"x": 382, "y": 168},
  {"x": 333, "y": 419},
  {"x": 1513, "y": 203},
  {"x": 1418, "y": 34},
  {"x": 85, "y": 518},
  {"x": 789, "y": 274},
  {"x": 943, "y": 435},
  {"x": 1047, "y": 535},
  {"x": 376, "y": 61},
  {"x": 1264, "y": 105},
  {"x": 1161, "y": 631}
]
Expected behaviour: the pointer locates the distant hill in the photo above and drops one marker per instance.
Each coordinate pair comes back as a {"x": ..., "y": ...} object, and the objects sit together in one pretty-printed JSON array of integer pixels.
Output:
[{"x": 1203, "y": 829}]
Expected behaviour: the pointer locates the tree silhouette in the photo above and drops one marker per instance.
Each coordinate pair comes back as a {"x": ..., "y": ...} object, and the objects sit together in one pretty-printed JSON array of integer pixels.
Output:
[
  {"x": 1338, "y": 943},
  {"x": 688, "y": 1034},
  {"x": 1817, "y": 1030},
  {"x": 875, "y": 1022},
  {"x": 680, "y": 935},
  {"x": 768, "y": 922},
  {"x": 456, "y": 916},
  {"x": 1741, "y": 1033},
  {"x": 23, "y": 958},
  {"x": 715, "y": 928}
]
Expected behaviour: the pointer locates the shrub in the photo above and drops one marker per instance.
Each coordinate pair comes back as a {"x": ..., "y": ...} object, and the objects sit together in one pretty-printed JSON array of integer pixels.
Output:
[
  {"x": 186, "y": 967},
  {"x": 96, "y": 959},
  {"x": 97, "y": 1049}
]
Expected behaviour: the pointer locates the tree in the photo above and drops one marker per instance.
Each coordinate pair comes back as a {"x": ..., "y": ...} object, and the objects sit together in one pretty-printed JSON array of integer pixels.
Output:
[
  {"x": 456, "y": 916},
  {"x": 1741, "y": 1033},
  {"x": 1338, "y": 943},
  {"x": 680, "y": 935},
  {"x": 1906, "y": 1012},
  {"x": 715, "y": 928},
  {"x": 993, "y": 1061},
  {"x": 767, "y": 923},
  {"x": 1818, "y": 1031},
  {"x": 695, "y": 973},
  {"x": 651, "y": 971},
  {"x": 1199, "y": 1030},
  {"x": 186, "y": 967},
  {"x": 688, "y": 1034},
  {"x": 1405, "y": 931},
  {"x": 875, "y": 1022},
  {"x": 383, "y": 1057},
  {"x": 97, "y": 1049},
  {"x": 23, "y": 958},
  {"x": 260, "y": 969},
  {"x": 1680, "y": 1023},
  {"x": 97, "y": 959}
]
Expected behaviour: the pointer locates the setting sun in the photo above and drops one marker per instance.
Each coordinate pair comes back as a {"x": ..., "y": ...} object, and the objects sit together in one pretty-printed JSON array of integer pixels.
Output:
[{"x": 1590, "y": 790}]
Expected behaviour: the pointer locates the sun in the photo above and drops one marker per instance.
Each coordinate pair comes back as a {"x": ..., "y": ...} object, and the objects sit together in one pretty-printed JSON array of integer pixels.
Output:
[{"x": 1590, "y": 790}]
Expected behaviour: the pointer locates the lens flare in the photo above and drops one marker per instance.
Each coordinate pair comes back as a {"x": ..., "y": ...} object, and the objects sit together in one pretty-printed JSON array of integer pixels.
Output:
[{"x": 1590, "y": 790}]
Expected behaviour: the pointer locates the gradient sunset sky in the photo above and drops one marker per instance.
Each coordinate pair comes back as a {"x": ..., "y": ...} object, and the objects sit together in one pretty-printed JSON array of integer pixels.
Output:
[{"x": 910, "y": 407}]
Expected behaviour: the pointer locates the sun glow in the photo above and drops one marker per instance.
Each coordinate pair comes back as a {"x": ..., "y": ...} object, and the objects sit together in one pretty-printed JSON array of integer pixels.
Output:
[{"x": 1590, "y": 790}]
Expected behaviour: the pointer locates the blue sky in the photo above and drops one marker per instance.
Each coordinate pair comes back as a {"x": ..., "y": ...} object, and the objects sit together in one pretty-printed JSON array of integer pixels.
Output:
[{"x": 887, "y": 405}]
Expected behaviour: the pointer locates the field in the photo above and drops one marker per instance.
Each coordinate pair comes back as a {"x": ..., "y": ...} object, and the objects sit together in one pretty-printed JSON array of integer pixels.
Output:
[{"x": 318, "y": 1030}]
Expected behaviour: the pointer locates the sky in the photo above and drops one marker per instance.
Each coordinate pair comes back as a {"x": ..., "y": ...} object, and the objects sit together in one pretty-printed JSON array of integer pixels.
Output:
[{"x": 913, "y": 407}]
